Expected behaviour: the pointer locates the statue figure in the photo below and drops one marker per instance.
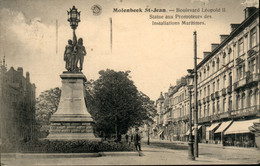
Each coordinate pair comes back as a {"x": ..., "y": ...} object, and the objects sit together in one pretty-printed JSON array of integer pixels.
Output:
[
  {"x": 81, "y": 52},
  {"x": 68, "y": 56}
]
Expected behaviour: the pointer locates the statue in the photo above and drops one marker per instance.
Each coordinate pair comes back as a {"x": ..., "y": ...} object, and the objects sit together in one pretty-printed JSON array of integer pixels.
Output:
[
  {"x": 68, "y": 56},
  {"x": 80, "y": 53}
]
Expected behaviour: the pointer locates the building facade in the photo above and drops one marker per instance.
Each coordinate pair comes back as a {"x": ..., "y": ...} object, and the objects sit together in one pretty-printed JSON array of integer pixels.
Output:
[
  {"x": 17, "y": 101},
  {"x": 228, "y": 88}
]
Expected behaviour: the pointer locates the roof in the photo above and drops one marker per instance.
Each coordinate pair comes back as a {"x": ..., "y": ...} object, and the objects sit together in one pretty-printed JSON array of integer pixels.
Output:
[{"x": 230, "y": 37}]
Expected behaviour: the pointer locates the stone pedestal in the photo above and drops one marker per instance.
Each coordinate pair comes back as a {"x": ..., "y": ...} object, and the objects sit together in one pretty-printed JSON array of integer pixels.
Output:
[{"x": 72, "y": 119}]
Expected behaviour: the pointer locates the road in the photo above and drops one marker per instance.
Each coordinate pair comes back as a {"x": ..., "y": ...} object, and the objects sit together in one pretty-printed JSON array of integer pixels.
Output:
[{"x": 157, "y": 153}]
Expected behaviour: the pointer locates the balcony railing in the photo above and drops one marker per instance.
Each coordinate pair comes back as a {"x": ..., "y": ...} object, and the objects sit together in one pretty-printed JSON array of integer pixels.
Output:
[
  {"x": 252, "y": 77},
  {"x": 212, "y": 96},
  {"x": 240, "y": 83},
  {"x": 205, "y": 119},
  {"x": 185, "y": 117},
  {"x": 249, "y": 111},
  {"x": 229, "y": 89},
  {"x": 224, "y": 115},
  {"x": 224, "y": 92}
]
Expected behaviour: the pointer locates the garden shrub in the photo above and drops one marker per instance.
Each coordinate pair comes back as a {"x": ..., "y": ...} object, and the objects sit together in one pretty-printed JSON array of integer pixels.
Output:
[{"x": 72, "y": 146}]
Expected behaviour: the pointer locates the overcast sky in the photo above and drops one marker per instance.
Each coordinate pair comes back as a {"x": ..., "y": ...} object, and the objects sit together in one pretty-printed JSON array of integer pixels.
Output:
[{"x": 156, "y": 55}]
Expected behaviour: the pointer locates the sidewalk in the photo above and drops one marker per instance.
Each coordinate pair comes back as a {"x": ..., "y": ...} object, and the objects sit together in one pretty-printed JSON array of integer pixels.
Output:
[{"x": 157, "y": 153}]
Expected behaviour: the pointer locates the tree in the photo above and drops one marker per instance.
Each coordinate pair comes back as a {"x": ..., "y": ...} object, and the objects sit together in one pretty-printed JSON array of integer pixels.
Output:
[
  {"x": 46, "y": 105},
  {"x": 116, "y": 105}
]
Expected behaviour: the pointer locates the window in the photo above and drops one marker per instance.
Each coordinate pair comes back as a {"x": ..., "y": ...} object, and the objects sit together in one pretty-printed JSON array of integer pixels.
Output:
[
  {"x": 241, "y": 71},
  {"x": 205, "y": 92},
  {"x": 208, "y": 90},
  {"x": 208, "y": 109},
  {"x": 218, "y": 85},
  {"x": 217, "y": 64},
  {"x": 208, "y": 71},
  {"x": 213, "y": 66},
  {"x": 238, "y": 102},
  {"x": 224, "y": 81},
  {"x": 240, "y": 47},
  {"x": 200, "y": 94},
  {"x": 224, "y": 105},
  {"x": 243, "y": 102},
  {"x": 253, "y": 37},
  {"x": 224, "y": 58},
  {"x": 217, "y": 106},
  {"x": 250, "y": 99},
  {"x": 204, "y": 110},
  {"x": 213, "y": 87},
  {"x": 251, "y": 65},
  {"x": 230, "y": 79},
  {"x": 230, "y": 103},
  {"x": 213, "y": 108}
]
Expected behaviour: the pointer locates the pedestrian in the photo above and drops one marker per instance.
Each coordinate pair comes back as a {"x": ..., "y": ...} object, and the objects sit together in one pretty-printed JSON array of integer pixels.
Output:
[
  {"x": 126, "y": 137},
  {"x": 137, "y": 140}
]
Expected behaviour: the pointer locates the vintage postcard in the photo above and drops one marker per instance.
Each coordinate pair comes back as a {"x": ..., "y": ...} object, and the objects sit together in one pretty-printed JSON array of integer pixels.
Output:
[{"x": 129, "y": 82}]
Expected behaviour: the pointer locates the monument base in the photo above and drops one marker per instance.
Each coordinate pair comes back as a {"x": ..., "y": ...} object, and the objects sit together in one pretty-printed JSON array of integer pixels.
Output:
[{"x": 72, "y": 120}]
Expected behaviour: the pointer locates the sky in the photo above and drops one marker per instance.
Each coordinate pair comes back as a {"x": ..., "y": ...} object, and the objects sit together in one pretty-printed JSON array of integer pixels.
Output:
[{"x": 156, "y": 55}]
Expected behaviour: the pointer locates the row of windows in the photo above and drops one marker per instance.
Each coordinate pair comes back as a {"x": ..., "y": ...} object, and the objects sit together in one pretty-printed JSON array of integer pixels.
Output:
[{"x": 226, "y": 57}]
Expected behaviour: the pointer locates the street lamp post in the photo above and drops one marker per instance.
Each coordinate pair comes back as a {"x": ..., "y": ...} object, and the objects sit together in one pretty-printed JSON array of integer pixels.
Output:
[
  {"x": 196, "y": 143},
  {"x": 148, "y": 139},
  {"x": 190, "y": 143}
]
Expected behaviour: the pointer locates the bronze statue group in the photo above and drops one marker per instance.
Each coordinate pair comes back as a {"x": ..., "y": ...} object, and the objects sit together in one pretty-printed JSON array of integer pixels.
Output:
[{"x": 74, "y": 55}]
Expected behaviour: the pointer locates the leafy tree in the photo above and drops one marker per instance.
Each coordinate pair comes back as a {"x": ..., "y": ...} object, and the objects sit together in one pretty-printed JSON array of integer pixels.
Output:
[
  {"x": 116, "y": 105},
  {"x": 47, "y": 104}
]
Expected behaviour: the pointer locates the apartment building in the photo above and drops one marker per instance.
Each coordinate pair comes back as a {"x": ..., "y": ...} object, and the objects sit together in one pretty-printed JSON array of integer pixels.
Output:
[{"x": 228, "y": 87}]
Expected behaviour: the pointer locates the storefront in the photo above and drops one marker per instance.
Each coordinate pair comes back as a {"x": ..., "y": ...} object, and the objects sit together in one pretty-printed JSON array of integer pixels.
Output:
[
  {"x": 238, "y": 134},
  {"x": 218, "y": 134},
  {"x": 210, "y": 132}
]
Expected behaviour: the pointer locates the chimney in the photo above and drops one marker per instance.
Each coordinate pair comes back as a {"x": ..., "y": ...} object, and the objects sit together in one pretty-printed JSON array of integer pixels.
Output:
[
  {"x": 223, "y": 37},
  {"x": 249, "y": 11},
  {"x": 28, "y": 76},
  {"x": 234, "y": 26},
  {"x": 20, "y": 71},
  {"x": 205, "y": 54},
  {"x": 213, "y": 46},
  {"x": 166, "y": 95}
]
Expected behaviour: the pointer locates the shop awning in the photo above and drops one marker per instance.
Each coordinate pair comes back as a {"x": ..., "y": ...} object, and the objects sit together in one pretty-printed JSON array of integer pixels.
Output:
[
  {"x": 160, "y": 132},
  {"x": 213, "y": 126},
  {"x": 193, "y": 132},
  {"x": 188, "y": 132},
  {"x": 240, "y": 126},
  {"x": 223, "y": 126}
]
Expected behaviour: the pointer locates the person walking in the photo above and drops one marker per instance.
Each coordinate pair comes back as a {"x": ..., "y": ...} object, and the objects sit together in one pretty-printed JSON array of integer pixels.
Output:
[{"x": 137, "y": 140}]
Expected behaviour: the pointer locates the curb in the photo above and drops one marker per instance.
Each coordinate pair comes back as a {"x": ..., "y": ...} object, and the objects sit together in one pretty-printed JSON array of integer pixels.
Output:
[
  {"x": 50, "y": 155},
  {"x": 119, "y": 153}
]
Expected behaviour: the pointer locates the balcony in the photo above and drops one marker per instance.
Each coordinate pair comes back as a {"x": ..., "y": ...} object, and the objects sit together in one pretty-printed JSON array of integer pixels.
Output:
[
  {"x": 224, "y": 92},
  {"x": 224, "y": 115},
  {"x": 229, "y": 89},
  {"x": 252, "y": 78},
  {"x": 240, "y": 83},
  {"x": 204, "y": 119},
  {"x": 208, "y": 99},
  {"x": 185, "y": 117},
  {"x": 216, "y": 95},
  {"x": 249, "y": 111},
  {"x": 212, "y": 96}
]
